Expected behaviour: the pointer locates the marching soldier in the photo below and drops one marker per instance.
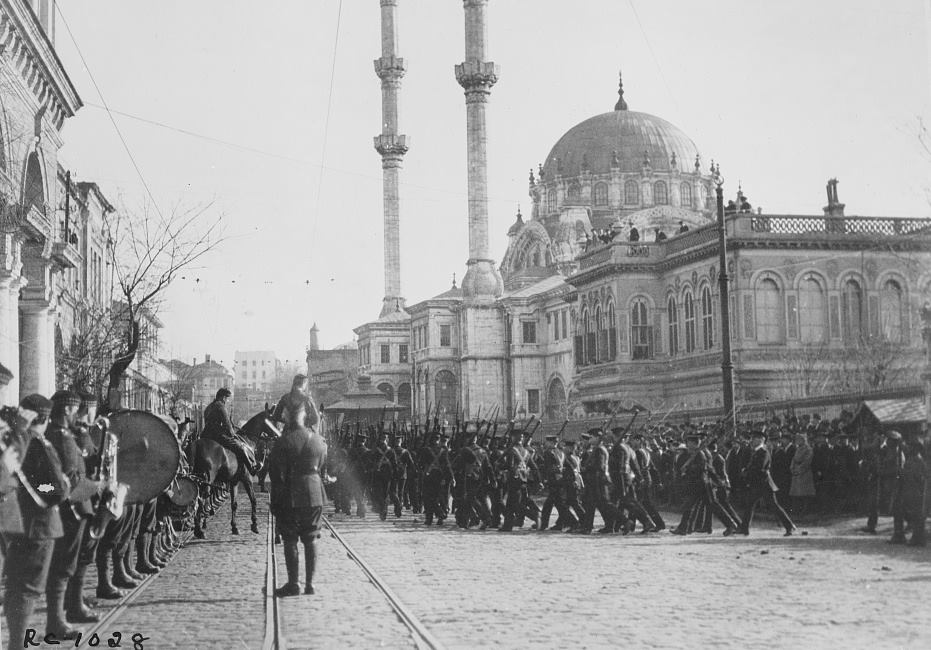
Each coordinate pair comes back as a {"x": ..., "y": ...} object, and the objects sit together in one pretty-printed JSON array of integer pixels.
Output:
[
  {"x": 383, "y": 466},
  {"x": 472, "y": 470},
  {"x": 29, "y": 554},
  {"x": 646, "y": 480},
  {"x": 357, "y": 471},
  {"x": 436, "y": 471},
  {"x": 597, "y": 479},
  {"x": 572, "y": 488},
  {"x": 518, "y": 466},
  {"x": 760, "y": 485},
  {"x": 553, "y": 461},
  {"x": 626, "y": 473},
  {"x": 404, "y": 468}
]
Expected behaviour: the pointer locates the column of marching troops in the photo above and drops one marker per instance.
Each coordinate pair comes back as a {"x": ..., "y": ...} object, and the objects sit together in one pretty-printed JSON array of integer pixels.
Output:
[
  {"x": 54, "y": 523},
  {"x": 487, "y": 480}
]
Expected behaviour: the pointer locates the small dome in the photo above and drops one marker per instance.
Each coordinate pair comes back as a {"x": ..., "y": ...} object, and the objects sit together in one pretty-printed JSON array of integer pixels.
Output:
[{"x": 628, "y": 133}]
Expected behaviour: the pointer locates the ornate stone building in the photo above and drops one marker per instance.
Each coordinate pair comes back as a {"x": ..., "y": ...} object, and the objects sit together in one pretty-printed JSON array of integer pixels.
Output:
[
  {"x": 608, "y": 293},
  {"x": 36, "y": 96}
]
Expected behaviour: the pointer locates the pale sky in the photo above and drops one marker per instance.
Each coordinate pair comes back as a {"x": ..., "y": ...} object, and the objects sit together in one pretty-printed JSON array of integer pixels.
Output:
[{"x": 784, "y": 95}]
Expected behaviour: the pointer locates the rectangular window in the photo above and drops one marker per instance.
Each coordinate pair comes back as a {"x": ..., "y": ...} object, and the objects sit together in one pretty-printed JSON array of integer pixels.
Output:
[
  {"x": 748, "y": 316},
  {"x": 555, "y": 326},
  {"x": 579, "y": 352},
  {"x": 792, "y": 314},
  {"x": 873, "y": 303},
  {"x": 835, "y": 317},
  {"x": 253, "y": 363},
  {"x": 402, "y": 353},
  {"x": 529, "y": 331},
  {"x": 533, "y": 400},
  {"x": 253, "y": 376},
  {"x": 386, "y": 354},
  {"x": 263, "y": 374},
  {"x": 444, "y": 336}
]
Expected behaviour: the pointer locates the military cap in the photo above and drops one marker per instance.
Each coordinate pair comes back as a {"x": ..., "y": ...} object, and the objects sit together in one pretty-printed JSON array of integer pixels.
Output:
[
  {"x": 585, "y": 436},
  {"x": 552, "y": 437},
  {"x": 434, "y": 435},
  {"x": 88, "y": 399},
  {"x": 594, "y": 431},
  {"x": 758, "y": 433},
  {"x": 692, "y": 436},
  {"x": 38, "y": 403},
  {"x": 383, "y": 434},
  {"x": 637, "y": 436},
  {"x": 597, "y": 433},
  {"x": 893, "y": 435},
  {"x": 527, "y": 433},
  {"x": 620, "y": 432},
  {"x": 66, "y": 398},
  {"x": 517, "y": 432}
]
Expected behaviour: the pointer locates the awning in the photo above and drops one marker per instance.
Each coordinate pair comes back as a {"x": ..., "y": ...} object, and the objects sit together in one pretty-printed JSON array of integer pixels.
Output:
[{"x": 888, "y": 411}]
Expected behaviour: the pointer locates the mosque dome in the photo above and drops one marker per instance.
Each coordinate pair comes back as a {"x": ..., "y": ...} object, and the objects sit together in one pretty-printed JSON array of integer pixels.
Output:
[{"x": 621, "y": 139}]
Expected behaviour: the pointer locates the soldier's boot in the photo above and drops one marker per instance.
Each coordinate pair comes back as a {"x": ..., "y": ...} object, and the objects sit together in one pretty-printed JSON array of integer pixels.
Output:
[
  {"x": 17, "y": 608},
  {"x": 127, "y": 559},
  {"x": 76, "y": 610},
  {"x": 310, "y": 563},
  {"x": 143, "y": 565},
  {"x": 151, "y": 547},
  {"x": 121, "y": 578},
  {"x": 105, "y": 588},
  {"x": 292, "y": 562},
  {"x": 55, "y": 622}
]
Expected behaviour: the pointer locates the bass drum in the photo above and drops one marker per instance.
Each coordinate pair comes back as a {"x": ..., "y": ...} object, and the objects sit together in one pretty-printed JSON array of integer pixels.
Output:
[
  {"x": 183, "y": 491},
  {"x": 148, "y": 454}
]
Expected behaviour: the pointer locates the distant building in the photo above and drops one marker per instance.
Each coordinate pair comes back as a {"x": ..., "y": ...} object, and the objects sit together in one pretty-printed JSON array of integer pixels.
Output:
[
  {"x": 331, "y": 373},
  {"x": 257, "y": 371}
]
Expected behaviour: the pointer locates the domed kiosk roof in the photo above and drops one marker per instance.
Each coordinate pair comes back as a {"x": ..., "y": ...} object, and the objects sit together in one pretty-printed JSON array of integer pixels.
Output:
[{"x": 629, "y": 134}]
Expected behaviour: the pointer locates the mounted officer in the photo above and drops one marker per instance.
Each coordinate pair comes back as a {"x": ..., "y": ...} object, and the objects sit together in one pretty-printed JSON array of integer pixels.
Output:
[
  {"x": 297, "y": 398},
  {"x": 219, "y": 428}
]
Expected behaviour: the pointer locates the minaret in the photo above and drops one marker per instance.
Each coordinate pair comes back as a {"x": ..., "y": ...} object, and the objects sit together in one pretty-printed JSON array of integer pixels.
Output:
[
  {"x": 392, "y": 147},
  {"x": 314, "y": 340},
  {"x": 482, "y": 323},
  {"x": 482, "y": 282}
]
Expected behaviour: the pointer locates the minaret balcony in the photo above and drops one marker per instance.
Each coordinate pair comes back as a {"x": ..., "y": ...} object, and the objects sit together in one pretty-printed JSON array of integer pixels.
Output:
[
  {"x": 390, "y": 67},
  {"x": 391, "y": 145}
]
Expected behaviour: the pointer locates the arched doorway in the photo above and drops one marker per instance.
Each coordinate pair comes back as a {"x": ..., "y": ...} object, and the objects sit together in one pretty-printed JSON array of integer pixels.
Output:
[
  {"x": 404, "y": 399},
  {"x": 388, "y": 390},
  {"x": 446, "y": 391},
  {"x": 556, "y": 400}
]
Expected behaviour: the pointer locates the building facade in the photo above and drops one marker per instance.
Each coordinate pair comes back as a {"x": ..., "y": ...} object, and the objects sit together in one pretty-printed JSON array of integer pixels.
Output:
[{"x": 36, "y": 97}]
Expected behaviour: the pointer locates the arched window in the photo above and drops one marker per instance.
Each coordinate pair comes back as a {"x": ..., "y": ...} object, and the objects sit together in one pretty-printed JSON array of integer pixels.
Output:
[
  {"x": 556, "y": 401},
  {"x": 660, "y": 194},
  {"x": 631, "y": 193},
  {"x": 601, "y": 335},
  {"x": 641, "y": 332},
  {"x": 685, "y": 195},
  {"x": 672, "y": 313},
  {"x": 34, "y": 192},
  {"x": 707, "y": 318},
  {"x": 689, "y": 323},
  {"x": 573, "y": 193},
  {"x": 601, "y": 194},
  {"x": 591, "y": 343},
  {"x": 852, "y": 312},
  {"x": 769, "y": 314},
  {"x": 811, "y": 312},
  {"x": 891, "y": 315},
  {"x": 551, "y": 201},
  {"x": 388, "y": 390},
  {"x": 611, "y": 327},
  {"x": 446, "y": 392}
]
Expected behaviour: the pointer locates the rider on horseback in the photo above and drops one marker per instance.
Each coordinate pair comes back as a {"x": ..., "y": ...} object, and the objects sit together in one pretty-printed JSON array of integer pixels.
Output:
[
  {"x": 292, "y": 402},
  {"x": 218, "y": 427}
]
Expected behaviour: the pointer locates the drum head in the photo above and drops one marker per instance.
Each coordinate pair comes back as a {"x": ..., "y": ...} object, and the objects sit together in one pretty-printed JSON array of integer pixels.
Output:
[
  {"x": 183, "y": 491},
  {"x": 148, "y": 455}
]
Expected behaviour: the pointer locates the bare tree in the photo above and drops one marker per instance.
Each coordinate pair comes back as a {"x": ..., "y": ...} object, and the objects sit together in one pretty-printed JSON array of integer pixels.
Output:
[
  {"x": 806, "y": 371},
  {"x": 151, "y": 250}
]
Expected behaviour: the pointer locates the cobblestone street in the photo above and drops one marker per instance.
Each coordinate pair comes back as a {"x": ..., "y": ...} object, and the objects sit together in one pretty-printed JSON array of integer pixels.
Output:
[{"x": 827, "y": 588}]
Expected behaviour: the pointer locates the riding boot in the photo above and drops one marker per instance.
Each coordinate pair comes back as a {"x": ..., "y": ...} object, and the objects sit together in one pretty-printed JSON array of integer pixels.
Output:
[
  {"x": 105, "y": 588},
  {"x": 128, "y": 567},
  {"x": 55, "y": 615},
  {"x": 148, "y": 548},
  {"x": 310, "y": 562},
  {"x": 293, "y": 563},
  {"x": 18, "y": 609},
  {"x": 121, "y": 578},
  {"x": 143, "y": 565},
  {"x": 156, "y": 556},
  {"x": 76, "y": 609}
]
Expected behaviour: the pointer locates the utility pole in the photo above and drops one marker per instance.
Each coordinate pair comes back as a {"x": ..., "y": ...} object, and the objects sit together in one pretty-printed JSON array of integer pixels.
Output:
[{"x": 727, "y": 367}]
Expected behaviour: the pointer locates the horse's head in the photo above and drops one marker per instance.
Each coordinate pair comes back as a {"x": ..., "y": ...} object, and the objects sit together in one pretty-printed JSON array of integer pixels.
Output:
[{"x": 261, "y": 426}]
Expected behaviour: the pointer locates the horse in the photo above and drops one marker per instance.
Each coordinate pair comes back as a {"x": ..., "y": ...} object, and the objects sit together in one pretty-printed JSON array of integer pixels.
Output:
[{"x": 218, "y": 467}]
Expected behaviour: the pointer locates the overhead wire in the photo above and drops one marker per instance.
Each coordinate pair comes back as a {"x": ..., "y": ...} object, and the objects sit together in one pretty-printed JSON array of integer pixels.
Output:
[{"x": 103, "y": 100}]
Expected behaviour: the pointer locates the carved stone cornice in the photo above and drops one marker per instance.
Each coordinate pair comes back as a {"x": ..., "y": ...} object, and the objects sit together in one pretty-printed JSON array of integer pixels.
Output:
[
  {"x": 390, "y": 68},
  {"x": 477, "y": 78},
  {"x": 65, "y": 256},
  {"x": 29, "y": 51}
]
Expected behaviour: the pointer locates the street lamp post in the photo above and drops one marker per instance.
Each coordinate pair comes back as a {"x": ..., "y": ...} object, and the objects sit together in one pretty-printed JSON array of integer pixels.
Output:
[{"x": 727, "y": 367}]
